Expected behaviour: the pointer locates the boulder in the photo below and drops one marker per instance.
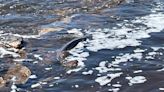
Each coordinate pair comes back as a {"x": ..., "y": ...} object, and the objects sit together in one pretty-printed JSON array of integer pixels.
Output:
[{"x": 19, "y": 72}]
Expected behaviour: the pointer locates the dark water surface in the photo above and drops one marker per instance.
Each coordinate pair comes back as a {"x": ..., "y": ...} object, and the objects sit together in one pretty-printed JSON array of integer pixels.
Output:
[{"x": 125, "y": 53}]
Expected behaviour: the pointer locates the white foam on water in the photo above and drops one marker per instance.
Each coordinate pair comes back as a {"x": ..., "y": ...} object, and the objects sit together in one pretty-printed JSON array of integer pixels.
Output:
[
  {"x": 88, "y": 72},
  {"x": 138, "y": 50},
  {"x": 5, "y": 52},
  {"x": 116, "y": 85},
  {"x": 76, "y": 86},
  {"x": 38, "y": 57},
  {"x": 48, "y": 68},
  {"x": 149, "y": 57},
  {"x": 123, "y": 37},
  {"x": 138, "y": 71},
  {"x": 160, "y": 70},
  {"x": 51, "y": 85},
  {"x": 103, "y": 80},
  {"x": 74, "y": 70},
  {"x": 152, "y": 53},
  {"x": 35, "y": 85},
  {"x": 162, "y": 89},
  {"x": 136, "y": 80},
  {"x": 13, "y": 86},
  {"x": 26, "y": 36},
  {"x": 75, "y": 31},
  {"x": 157, "y": 48},
  {"x": 77, "y": 53},
  {"x": 33, "y": 77},
  {"x": 105, "y": 66},
  {"x": 21, "y": 60},
  {"x": 126, "y": 57},
  {"x": 56, "y": 78},
  {"x": 35, "y": 62},
  {"x": 44, "y": 83},
  {"x": 114, "y": 89}
]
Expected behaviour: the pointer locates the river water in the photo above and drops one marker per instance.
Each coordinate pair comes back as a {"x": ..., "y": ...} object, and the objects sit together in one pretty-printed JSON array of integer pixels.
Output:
[{"x": 124, "y": 54}]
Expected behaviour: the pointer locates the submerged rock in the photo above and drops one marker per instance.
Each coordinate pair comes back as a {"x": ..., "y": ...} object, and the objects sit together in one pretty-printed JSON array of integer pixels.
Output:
[{"x": 20, "y": 72}]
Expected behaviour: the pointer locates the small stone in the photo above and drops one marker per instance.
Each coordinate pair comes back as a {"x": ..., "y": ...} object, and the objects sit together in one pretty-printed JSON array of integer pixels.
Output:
[
  {"x": 21, "y": 73},
  {"x": 71, "y": 64}
]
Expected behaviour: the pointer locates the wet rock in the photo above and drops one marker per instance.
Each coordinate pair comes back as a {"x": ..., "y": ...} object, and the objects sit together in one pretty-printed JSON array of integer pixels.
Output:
[
  {"x": 2, "y": 82},
  {"x": 71, "y": 64},
  {"x": 22, "y": 53},
  {"x": 64, "y": 52},
  {"x": 15, "y": 44},
  {"x": 12, "y": 41},
  {"x": 20, "y": 72},
  {"x": 61, "y": 55}
]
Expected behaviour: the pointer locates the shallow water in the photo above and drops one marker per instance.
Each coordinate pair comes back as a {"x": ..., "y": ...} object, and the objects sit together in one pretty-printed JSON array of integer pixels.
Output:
[{"x": 125, "y": 53}]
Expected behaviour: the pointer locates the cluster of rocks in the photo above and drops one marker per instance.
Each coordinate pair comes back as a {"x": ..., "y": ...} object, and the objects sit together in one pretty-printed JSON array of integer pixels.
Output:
[
  {"x": 21, "y": 73},
  {"x": 15, "y": 73}
]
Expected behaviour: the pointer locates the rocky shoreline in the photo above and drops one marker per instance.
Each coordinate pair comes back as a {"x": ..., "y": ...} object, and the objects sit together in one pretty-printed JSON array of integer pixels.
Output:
[{"x": 15, "y": 45}]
